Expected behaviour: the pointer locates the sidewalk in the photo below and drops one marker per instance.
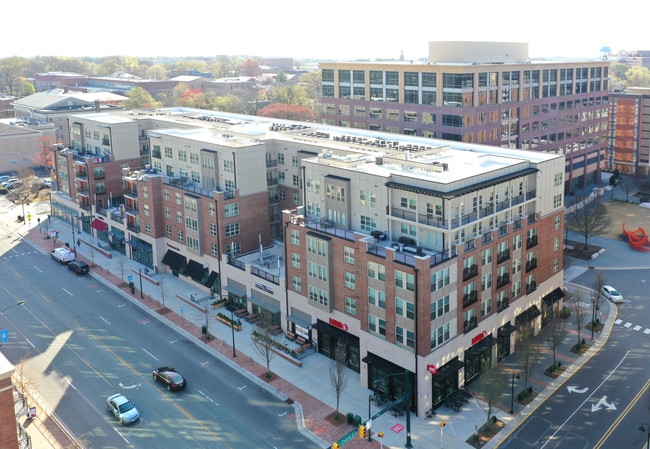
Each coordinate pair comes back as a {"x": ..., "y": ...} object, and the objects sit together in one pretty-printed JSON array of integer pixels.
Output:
[{"x": 309, "y": 386}]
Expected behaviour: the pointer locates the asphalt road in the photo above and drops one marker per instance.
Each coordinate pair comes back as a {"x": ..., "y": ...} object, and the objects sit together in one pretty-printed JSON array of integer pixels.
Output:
[
  {"x": 605, "y": 405},
  {"x": 82, "y": 342}
]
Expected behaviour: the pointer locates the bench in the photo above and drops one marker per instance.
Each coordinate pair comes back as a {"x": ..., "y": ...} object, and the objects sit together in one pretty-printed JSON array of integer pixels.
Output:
[
  {"x": 241, "y": 313},
  {"x": 290, "y": 335},
  {"x": 275, "y": 330},
  {"x": 303, "y": 347},
  {"x": 301, "y": 340},
  {"x": 253, "y": 319}
]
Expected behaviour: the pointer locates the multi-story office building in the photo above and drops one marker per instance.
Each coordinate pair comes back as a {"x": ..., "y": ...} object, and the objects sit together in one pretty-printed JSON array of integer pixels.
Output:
[
  {"x": 480, "y": 92},
  {"x": 405, "y": 252},
  {"x": 629, "y": 131}
]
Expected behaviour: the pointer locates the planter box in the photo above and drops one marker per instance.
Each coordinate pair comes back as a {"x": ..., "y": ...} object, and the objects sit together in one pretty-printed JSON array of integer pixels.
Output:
[
  {"x": 218, "y": 304},
  {"x": 228, "y": 323}
]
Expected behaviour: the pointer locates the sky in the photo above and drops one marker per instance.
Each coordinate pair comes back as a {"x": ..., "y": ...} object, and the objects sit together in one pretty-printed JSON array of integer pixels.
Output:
[{"x": 309, "y": 29}]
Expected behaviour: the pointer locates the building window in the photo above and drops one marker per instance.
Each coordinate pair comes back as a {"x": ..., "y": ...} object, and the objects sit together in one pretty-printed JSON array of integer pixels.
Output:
[
  {"x": 213, "y": 249},
  {"x": 408, "y": 340},
  {"x": 440, "y": 335},
  {"x": 405, "y": 280},
  {"x": 516, "y": 289},
  {"x": 228, "y": 166},
  {"x": 368, "y": 224},
  {"x": 486, "y": 257},
  {"x": 516, "y": 242},
  {"x": 168, "y": 213},
  {"x": 295, "y": 260},
  {"x": 179, "y": 217},
  {"x": 377, "y": 325},
  {"x": 558, "y": 220},
  {"x": 486, "y": 282},
  {"x": 557, "y": 200},
  {"x": 348, "y": 254},
  {"x": 181, "y": 236},
  {"x": 556, "y": 265},
  {"x": 377, "y": 298},
  {"x": 376, "y": 271},
  {"x": 168, "y": 230},
  {"x": 193, "y": 243},
  {"x": 295, "y": 237},
  {"x": 350, "y": 280},
  {"x": 146, "y": 209},
  {"x": 313, "y": 185},
  {"x": 516, "y": 265},
  {"x": 178, "y": 198},
  {"x": 350, "y": 305},
  {"x": 211, "y": 209},
  {"x": 368, "y": 199},
  {"x": 213, "y": 229},
  {"x": 318, "y": 295},
  {"x": 556, "y": 244},
  {"x": 166, "y": 194},
  {"x": 486, "y": 307},
  {"x": 335, "y": 193},
  {"x": 317, "y": 271},
  {"x": 439, "y": 307},
  {"x": 296, "y": 283},
  {"x": 232, "y": 229},
  {"x": 231, "y": 209},
  {"x": 168, "y": 152},
  {"x": 559, "y": 179},
  {"x": 440, "y": 279}
]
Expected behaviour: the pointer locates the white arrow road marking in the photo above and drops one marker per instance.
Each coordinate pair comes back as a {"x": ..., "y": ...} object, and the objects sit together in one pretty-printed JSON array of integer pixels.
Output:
[
  {"x": 39, "y": 270},
  {"x": 129, "y": 386},
  {"x": 573, "y": 389},
  {"x": 68, "y": 292},
  {"x": 69, "y": 383},
  {"x": 637, "y": 327},
  {"x": 647, "y": 331},
  {"x": 121, "y": 305},
  {"x": 173, "y": 341},
  {"x": 150, "y": 354},
  {"x": 283, "y": 414},
  {"x": 619, "y": 321},
  {"x": 551, "y": 437},
  {"x": 205, "y": 363},
  {"x": 241, "y": 388},
  {"x": 603, "y": 401},
  {"x": 628, "y": 324},
  {"x": 98, "y": 291},
  {"x": 208, "y": 398},
  {"x": 104, "y": 320}
]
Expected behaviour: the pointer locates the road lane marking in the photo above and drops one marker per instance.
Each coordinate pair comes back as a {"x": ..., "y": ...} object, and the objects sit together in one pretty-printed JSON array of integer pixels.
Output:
[
  {"x": 123, "y": 437},
  {"x": 208, "y": 397},
  {"x": 619, "y": 321},
  {"x": 173, "y": 341},
  {"x": 150, "y": 354},
  {"x": 551, "y": 438},
  {"x": 628, "y": 324},
  {"x": 283, "y": 414},
  {"x": 69, "y": 383},
  {"x": 241, "y": 388},
  {"x": 39, "y": 270},
  {"x": 14, "y": 251},
  {"x": 129, "y": 387},
  {"x": 573, "y": 389},
  {"x": 105, "y": 320},
  {"x": 68, "y": 292},
  {"x": 204, "y": 364},
  {"x": 30, "y": 343},
  {"x": 647, "y": 331},
  {"x": 121, "y": 305},
  {"x": 637, "y": 327}
]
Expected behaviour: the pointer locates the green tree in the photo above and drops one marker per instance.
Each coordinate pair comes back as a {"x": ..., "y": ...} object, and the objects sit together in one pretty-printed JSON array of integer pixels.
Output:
[
  {"x": 290, "y": 95},
  {"x": 157, "y": 72},
  {"x": 617, "y": 71},
  {"x": 637, "y": 77},
  {"x": 28, "y": 89},
  {"x": 281, "y": 77},
  {"x": 312, "y": 82},
  {"x": 139, "y": 98},
  {"x": 11, "y": 74},
  {"x": 229, "y": 103}
]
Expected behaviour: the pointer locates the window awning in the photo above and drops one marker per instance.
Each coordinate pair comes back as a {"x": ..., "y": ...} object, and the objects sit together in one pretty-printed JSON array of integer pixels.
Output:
[
  {"x": 382, "y": 363},
  {"x": 235, "y": 291},
  {"x": 263, "y": 304},
  {"x": 553, "y": 297},
  {"x": 99, "y": 225},
  {"x": 479, "y": 348},
  {"x": 447, "y": 370},
  {"x": 299, "y": 321},
  {"x": 194, "y": 270},
  {"x": 173, "y": 260},
  {"x": 527, "y": 315},
  {"x": 506, "y": 329},
  {"x": 211, "y": 278}
]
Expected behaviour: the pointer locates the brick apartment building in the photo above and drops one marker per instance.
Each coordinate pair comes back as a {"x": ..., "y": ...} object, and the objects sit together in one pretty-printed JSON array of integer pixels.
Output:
[
  {"x": 408, "y": 253},
  {"x": 629, "y": 131},
  {"x": 480, "y": 92}
]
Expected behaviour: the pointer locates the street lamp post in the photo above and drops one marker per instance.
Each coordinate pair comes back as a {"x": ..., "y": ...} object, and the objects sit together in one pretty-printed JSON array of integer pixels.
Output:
[
  {"x": 407, "y": 405},
  {"x": 512, "y": 394},
  {"x": 141, "y": 294},
  {"x": 644, "y": 427},
  {"x": 593, "y": 317},
  {"x": 232, "y": 327}
]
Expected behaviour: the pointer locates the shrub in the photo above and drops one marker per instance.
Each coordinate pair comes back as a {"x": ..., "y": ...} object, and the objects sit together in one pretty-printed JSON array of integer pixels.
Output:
[
  {"x": 583, "y": 341},
  {"x": 520, "y": 397},
  {"x": 530, "y": 390},
  {"x": 559, "y": 364},
  {"x": 3, "y": 190},
  {"x": 494, "y": 419}
]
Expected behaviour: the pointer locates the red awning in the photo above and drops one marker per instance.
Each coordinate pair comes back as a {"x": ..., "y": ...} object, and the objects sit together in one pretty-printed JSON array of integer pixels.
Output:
[{"x": 99, "y": 225}]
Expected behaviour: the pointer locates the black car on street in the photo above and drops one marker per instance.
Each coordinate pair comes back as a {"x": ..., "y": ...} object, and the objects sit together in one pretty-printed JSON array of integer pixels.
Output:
[{"x": 170, "y": 378}]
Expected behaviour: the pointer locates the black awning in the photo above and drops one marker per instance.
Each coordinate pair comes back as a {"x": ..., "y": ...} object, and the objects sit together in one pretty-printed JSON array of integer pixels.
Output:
[
  {"x": 479, "y": 348},
  {"x": 322, "y": 326},
  {"x": 211, "y": 279},
  {"x": 173, "y": 260},
  {"x": 384, "y": 364},
  {"x": 553, "y": 297},
  {"x": 195, "y": 270},
  {"x": 447, "y": 370},
  {"x": 527, "y": 315},
  {"x": 506, "y": 329}
]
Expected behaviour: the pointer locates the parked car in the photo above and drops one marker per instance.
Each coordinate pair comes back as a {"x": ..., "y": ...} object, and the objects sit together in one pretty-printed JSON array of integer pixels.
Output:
[
  {"x": 63, "y": 255},
  {"x": 47, "y": 183},
  {"x": 123, "y": 409},
  {"x": 79, "y": 267},
  {"x": 610, "y": 293},
  {"x": 4, "y": 178},
  {"x": 170, "y": 378},
  {"x": 11, "y": 183}
]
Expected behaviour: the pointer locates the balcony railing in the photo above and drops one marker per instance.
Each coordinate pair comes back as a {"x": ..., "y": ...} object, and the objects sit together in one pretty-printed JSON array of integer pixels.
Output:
[
  {"x": 131, "y": 211},
  {"x": 102, "y": 212},
  {"x": 131, "y": 193},
  {"x": 517, "y": 224},
  {"x": 271, "y": 181},
  {"x": 531, "y": 264},
  {"x": 431, "y": 220},
  {"x": 469, "y": 325},
  {"x": 502, "y": 304},
  {"x": 133, "y": 228},
  {"x": 503, "y": 256},
  {"x": 532, "y": 218},
  {"x": 442, "y": 257},
  {"x": 469, "y": 246},
  {"x": 517, "y": 200},
  {"x": 503, "y": 230},
  {"x": 99, "y": 176},
  {"x": 236, "y": 263},
  {"x": 531, "y": 242},
  {"x": 487, "y": 237},
  {"x": 502, "y": 280},
  {"x": 531, "y": 287},
  {"x": 403, "y": 214},
  {"x": 271, "y": 163},
  {"x": 470, "y": 272},
  {"x": 470, "y": 298},
  {"x": 488, "y": 210},
  {"x": 376, "y": 250},
  {"x": 531, "y": 195},
  {"x": 117, "y": 218},
  {"x": 264, "y": 275}
]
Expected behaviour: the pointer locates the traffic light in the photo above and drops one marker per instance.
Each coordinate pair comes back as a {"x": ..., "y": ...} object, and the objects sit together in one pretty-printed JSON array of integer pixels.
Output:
[
  {"x": 442, "y": 424},
  {"x": 362, "y": 431},
  {"x": 335, "y": 445}
]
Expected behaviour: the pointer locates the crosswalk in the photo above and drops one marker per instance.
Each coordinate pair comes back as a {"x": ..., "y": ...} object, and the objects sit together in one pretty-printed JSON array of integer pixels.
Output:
[
  {"x": 13, "y": 253},
  {"x": 629, "y": 325}
]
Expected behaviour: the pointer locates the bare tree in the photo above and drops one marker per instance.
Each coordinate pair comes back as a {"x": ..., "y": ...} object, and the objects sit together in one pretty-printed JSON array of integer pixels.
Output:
[
  {"x": 578, "y": 313},
  {"x": 555, "y": 333},
  {"x": 339, "y": 373},
  {"x": 597, "y": 291},
  {"x": 162, "y": 290},
  {"x": 264, "y": 341},
  {"x": 491, "y": 386},
  {"x": 628, "y": 184},
  {"x": 587, "y": 218},
  {"x": 526, "y": 351}
]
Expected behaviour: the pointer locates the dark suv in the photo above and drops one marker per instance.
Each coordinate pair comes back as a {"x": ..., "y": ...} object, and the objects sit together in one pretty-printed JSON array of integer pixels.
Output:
[{"x": 78, "y": 267}]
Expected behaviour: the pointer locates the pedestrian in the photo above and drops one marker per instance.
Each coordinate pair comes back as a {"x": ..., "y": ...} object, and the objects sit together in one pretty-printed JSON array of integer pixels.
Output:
[
  {"x": 78, "y": 242},
  {"x": 39, "y": 220}
]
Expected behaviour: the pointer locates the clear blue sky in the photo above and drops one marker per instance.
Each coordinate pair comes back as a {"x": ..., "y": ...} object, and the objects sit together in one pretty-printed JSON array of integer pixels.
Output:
[{"x": 333, "y": 29}]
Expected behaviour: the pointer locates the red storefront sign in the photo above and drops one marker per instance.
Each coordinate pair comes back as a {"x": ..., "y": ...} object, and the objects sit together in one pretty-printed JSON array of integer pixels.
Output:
[
  {"x": 479, "y": 337},
  {"x": 337, "y": 323},
  {"x": 432, "y": 369}
]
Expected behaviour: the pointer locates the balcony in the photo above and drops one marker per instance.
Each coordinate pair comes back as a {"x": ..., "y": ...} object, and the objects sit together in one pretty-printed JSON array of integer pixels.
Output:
[
  {"x": 85, "y": 206},
  {"x": 531, "y": 264},
  {"x": 133, "y": 227},
  {"x": 117, "y": 217},
  {"x": 271, "y": 182},
  {"x": 131, "y": 211},
  {"x": 83, "y": 175},
  {"x": 531, "y": 242},
  {"x": 486, "y": 211},
  {"x": 531, "y": 287},
  {"x": 403, "y": 214},
  {"x": 517, "y": 225},
  {"x": 502, "y": 280},
  {"x": 431, "y": 220},
  {"x": 102, "y": 212},
  {"x": 264, "y": 275},
  {"x": 503, "y": 230},
  {"x": 442, "y": 257},
  {"x": 469, "y": 246},
  {"x": 470, "y": 272},
  {"x": 470, "y": 298},
  {"x": 503, "y": 256},
  {"x": 518, "y": 200},
  {"x": 503, "y": 205},
  {"x": 502, "y": 304},
  {"x": 236, "y": 263},
  {"x": 532, "y": 218},
  {"x": 487, "y": 238},
  {"x": 271, "y": 163},
  {"x": 531, "y": 195},
  {"x": 98, "y": 176},
  {"x": 469, "y": 325},
  {"x": 131, "y": 194},
  {"x": 465, "y": 219}
]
